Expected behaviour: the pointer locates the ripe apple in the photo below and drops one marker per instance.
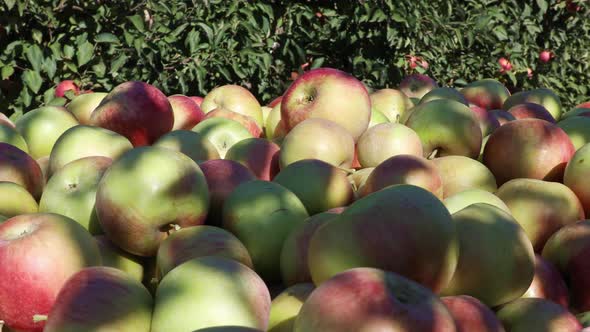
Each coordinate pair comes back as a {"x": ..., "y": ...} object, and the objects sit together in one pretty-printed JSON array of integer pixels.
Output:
[
  {"x": 386, "y": 140},
  {"x": 272, "y": 122},
  {"x": 275, "y": 102},
  {"x": 8, "y": 134},
  {"x": 329, "y": 94},
  {"x": 444, "y": 93},
  {"x": 286, "y": 306},
  {"x": 545, "y": 56},
  {"x": 463, "y": 199},
  {"x": 260, "y": 155},
  {"x": 578, "y": 111},
  {"x": 16, "y": 200},
  {"x": 246, "y": 121},
  {"x": 470, "y": 314},
  {"x": 83, "y": 105},
  {"x": 39, "y": 252},
  {"x": 197, "y": 99},
  {"x": 459, "y": 173},
  {"x": 222, "y": 132},
  {"x": 487, "y": 93},
  {"x": 542, "y": 96},
  {"x": 531, "y": 110},
  {"x": 192, "y": 144},
  {"x": 502, "y": 116},
  {"x": 369, "y": 299},
  {"x": 115, "y": 257},
  {"x": 577, "y": 128},
  {"x": 236, "y": 99},
  {"x": 136, "y": 110},
  {"x": 147, "y": 192},
  {"x": 417, "y": 85},
  {"x": 101, "y": 299},
  {"x": 43, "y": 163},
  {"x": 18, "y": 167},
  {"x": 487, "y": 121},
  {"x": 577, "y": 176},
  {"x": 41, "y": 127},
  {"x": 66, "y": 85},
  {"x": 548, "y": 283},
  {"x": 534, "y": 314},
  {"x": 392, "y": 103},
  {"x": 4, "y": 120},
  {"x": 187, "y": 113}
]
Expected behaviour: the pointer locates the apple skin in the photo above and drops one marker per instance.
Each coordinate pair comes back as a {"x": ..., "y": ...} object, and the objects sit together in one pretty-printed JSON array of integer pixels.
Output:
[
  {"x": 71, "y": 191},
  {"x": 18, "y": 167},
  {"x": 319, "y": 93},
  {"x": 459, "y": 173},
  {"x": 470, "y": 314},
  {"x": 85, "y": 141},
  {"x": 228, "y": 328},
  {"x": 246, "y": 121},
  {"x": 275, "y": 102},
  {"x": 16, "y": 200},
  {"x": 392, "y": 103},
  {"x": 386, "y": 140},
  {"x": 199, "y": 241},
  {"x": 377, "y": 118},
  {"x": 8, "y": 134},
  {"x": 528, "y": 148},
  {"x": 358, "y": 180},
  {"x": 502, "y": 116},
  {"x": 483, "y": 231},
  {"x": 80, "y": 305},
  {"x": 272, "y": 122},
  {"x": 544, "y": 97},
  {"x": 63, "y": 86},
  {"x": 35, "y": 271},
  {"x": 548, "y": 283},
  {"x": 83, "y": 105},
  {"x": 463, "y": 199},
  {"x": 264, "y": 226},
  {"x": 136, "y": 110},
  {"x": 369, "y": 299},
  {"x": 486, "y": 93},
  {"x": 43, "y": 163},
  {"x": 224, "y": 293},
  {"x": 487, "y": 121},
  {"x": 534, "y": 314},
  {"x": 417, "y": 85},
  {"x": 444, "y": 93},
  {"x": 577, "y": 128},
  {"x": 192, "y": 144},
  {"x": 285, "y": 307},
  {"x": 448, "y": 127},
  {"x": 323, "y": 187},
  {"x": 578, "y": 111},
  {"x": 577, "y": 176},
  {"x": 379, "y": 231},
  {"x": 41, "y": 127},
  {"x": 147, "y": 192},
  {"x": 260, "y": 155},
  {"x": 187, "y": 113},
  {"x": 197, "y": 99},
  {"x": 236, "y": 99},
  {"x": 540, "y": 207},
  {"x": 531, "y": 110},
  {"x": 335, "y": 147},
  {"x": 222, "y": 132},
  {"x": 115, "y": 257}
]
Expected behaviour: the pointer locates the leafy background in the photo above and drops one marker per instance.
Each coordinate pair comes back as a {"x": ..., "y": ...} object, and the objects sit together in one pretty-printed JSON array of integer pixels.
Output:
[{"x": 189, "y": 47}]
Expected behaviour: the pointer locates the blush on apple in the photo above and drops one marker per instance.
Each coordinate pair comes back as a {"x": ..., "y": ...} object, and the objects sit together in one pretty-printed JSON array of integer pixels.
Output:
[
  {"x": 187, "y": 113},
  {"x": 18, "y": 167},
  {"x": 259, "y": 155},
  {"x": 471, "y": 315},
  {"x": 531, "y": 110}
]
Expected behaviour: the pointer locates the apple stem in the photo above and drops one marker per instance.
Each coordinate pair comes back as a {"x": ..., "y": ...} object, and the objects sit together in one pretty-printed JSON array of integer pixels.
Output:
[
  {"x": 1, "y": 325},
  {"x": 39, "y": 318},
  {"x": 433, "y": 154}
]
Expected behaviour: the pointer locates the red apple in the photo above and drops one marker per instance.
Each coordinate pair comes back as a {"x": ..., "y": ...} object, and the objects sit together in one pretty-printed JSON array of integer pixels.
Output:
[
  {"x": 261, "y": 156},
  {"x": 487, "y": 121},
  {"x": 187, "y": 113},
  {"x": 531, "y": 110},
  {"x": 417, "y": 85},
  {"x": 197, "y": 99},
  {"x": 545, "y": 56},
  {"x": 470, "y": 314},
  {"x": 545, "y": 97},
  {"x": 64, "y": 86},
  {"x": 486, "y": 93},
  {"x": 502, "y": 116},
  {"x": 18, "y": 167},
  {"x": 534, "y": 314},
  {"x": 275, "y": 101},
  {"x": 548, "y": 283}
]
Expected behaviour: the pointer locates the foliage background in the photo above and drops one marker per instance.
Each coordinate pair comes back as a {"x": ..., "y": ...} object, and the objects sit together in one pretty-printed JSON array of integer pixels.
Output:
[{"x": 189, "y": 47}]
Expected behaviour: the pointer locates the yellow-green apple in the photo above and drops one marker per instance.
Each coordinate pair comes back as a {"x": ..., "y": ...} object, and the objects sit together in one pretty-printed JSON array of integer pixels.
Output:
[
  {"x": 18, "y": 167},
  {"x": 577, "y": 128},
  {"x": 370, "y": 299},
  {"x": 459, "y": 173},
  {"x": 197, "y": 99},
  {"x": 83, "y": 105},
  {"x": 194, "y": 145},
  {"x": 386, "y": 140},
  {"x": 405, "y": 169},
  {"x": 236, "y": 99},
  {"x": 260, "y": 155},
  {"x": 246, "y": 121},
  {"x": 148, "y": 192},
  {"x": 531, "y": 110},
  {"x": 222, "y": 132},
  {"x": 262, "y": 214},
  {"x": 548, "y": 283},
  {"x": 71, "y": 191},
  {"x": 8, "y": 134},
  {"x": 187, "y": 113},
  {"x": 335, "y": 147},
  {"x": 115, "y": 257},
  {"x": 41, "y": 127},
  {"x": 544, "y": 97},
  {"x": 101, "y": 299},
  {"x": 417, "y": 85},
  {"x": 540, "y": 207},
  {"x": 484, "y": 231},
  {"x": 470, "y": 314},
  {"x": 39, "y": 252},
  {"x": 487, "y": 93},
  {"x": 208, "y": 292},
  {"x": 382, "y": 230},
  {"x": 584, "y": 111},
  {"x": 329, "y": 94},
  {"x": 463, "y": 199},
  {"x": 535, "y": 314},
  {"x": 502, "y": 116},
  {"x": 265, "y": 112},
  {"x": 15, "y": 200},
  {"x": 577, "y": 176},
  {"x": 136, "y": 110},
  {"x": 285, "y": 307},
  {"x": 322, "y": 187},
  {"x": 272, "y": 122},
  {"x": 446, "y": 127},
  {"x": 528, "y": 148},
  {"x": 392, "y": 103},
  {"x": 377, "y": 118},
  {"x": 86, "y": 141},
  {"x": 444, "y": 93},
  {"x": 487, "y": 121}
]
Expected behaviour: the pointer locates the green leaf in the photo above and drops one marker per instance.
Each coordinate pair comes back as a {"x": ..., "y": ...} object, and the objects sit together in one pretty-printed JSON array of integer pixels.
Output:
[
  {"x": 317, "y": 63},
  {"x": 50, "y": 67},
  {"x": 32, "y": 79},
  {"x": 35, "y": 57},
  {"x": 99, "y": 69},
  {"x": 60, "y": 101},
  {"x": 118, "y": 63},
  {"x": 137, "y": 22},
  {"x": 49, "y": 95},
  {"x": 7, "y": 71},
  {"x": 37, "y": 36},
  {"x": 68, "y": 52},
  {"x": 9, "y": 3},
  {"x": 84, "y": 53},
  {"x": 108, "y": 38},
  {"x": 543, "y": 6}
]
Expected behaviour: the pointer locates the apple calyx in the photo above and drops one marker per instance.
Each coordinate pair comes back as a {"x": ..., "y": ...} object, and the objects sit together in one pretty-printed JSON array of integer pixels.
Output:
[{"x": 39, "y": 318}]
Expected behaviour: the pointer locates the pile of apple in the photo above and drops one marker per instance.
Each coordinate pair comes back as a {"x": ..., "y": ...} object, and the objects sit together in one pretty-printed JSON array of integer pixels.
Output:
[{"x": 334, "y": 208}]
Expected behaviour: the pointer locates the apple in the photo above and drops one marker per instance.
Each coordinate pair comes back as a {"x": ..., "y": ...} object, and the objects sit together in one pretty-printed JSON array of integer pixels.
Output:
[
  {"x": 318, "y": 139},
  {"x": 463, "y": 199},
  {"x": 487, "y": 93},
  {"x": 322, "y": 187},
  {"x": 446, "y": 127},
  {"x": 222, "y": 132},
  {"x": 285, "y": 307},
  {"x": 275, "y": 102},
  {"x": 8, "y": 134},
  {"x": 487, "y": 121},
  {"x": 228, "y": 328},
  {"x": 577, "y": 176},
  {"x": 540, "y": 207},
  {"x": 369, "y": 299},
  {"x": 43, "y": 163},
  {"x": 584, "y": 105},
  {"x": 578, "y": 279},
  {"x": 577, "y": 128},
  {"x": 545, "y": 56},
  {"x": 534, "y": 314},
  {"x": 190, "y": 143},
  {"x": 16, "y": 200},
  {"x": 197, "y": 99},
  {"x": 358, "y": 179},
  {"x": 578, "y": 111},
  {"x": 265, "y": 112},
  {"x": 531, "y": 110},
  {"x": 148, "y": 192},
  {"x": 528, "y": 148},
  {"x": 459, "y": 173},
  {"x": 548, "y": 283},
  {"x": 272, "y": 122},
  {"x": 328, "y": 94},
  {"x": 86, "y": 141},
  {"x": 470, "y": 314},
  {"x": 101, "y": 299},
  {"x": 246, "y": 121},
  {"x": 208, "y": 292},
  {"x": 444, "y": 93},
  {"x": 377, "y": 118},
  {"x": 502, "y": 116},
  {"x": 4, "y": 120},
  {"x": 187, "y": 113},
  {"x": 386, "y": 140},
  {"x": 484, "y": 231},
  {"x": 417, "y": 85},
  {"x": 67, "y": 85},
  {"x": 260, "y": 155},
  {"x": 392, "y": 103},
  {"x": 236, "y": 99},
  {"x": 83, "y": 105},
  {"x": 71, "y": 191},
  {"x": 115, "y": 257},
  {"x": 39, "y": 253},
  {"x": 41, "y": 127},
  {"x": 544, "y": 97},
  {"x": 18, "y": 167},
  {"x": 136, "y": 110}
]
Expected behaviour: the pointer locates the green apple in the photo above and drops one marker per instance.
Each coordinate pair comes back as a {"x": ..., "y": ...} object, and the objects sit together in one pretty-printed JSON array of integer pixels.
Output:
[
  {"x": 191, "y": 143},
  {"x": 377, "y": 118},
  {"x": 460, "y": 173},
  {"x": 84, "y": 104},
  {"x": 272, "y": 122},
  {"x": 285, "y": 307},
  {"x": 444, "y": 93},
  {"x": 115, "y": 257},
  {"x": 577, "y": 176},
  {"x": 392, "y": 103},
  {"x": 386, "y": 140},
  {"x": 577, "y": 128},
  {"x": 16, "y": 200},
  {"x": 578, "y": 111},
  {"x": 463, "y": 199},
  {"x": 222, "y": 132},
  {"x": 535, "y": 314},
  {"x": 8, "y": 134}
]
